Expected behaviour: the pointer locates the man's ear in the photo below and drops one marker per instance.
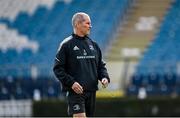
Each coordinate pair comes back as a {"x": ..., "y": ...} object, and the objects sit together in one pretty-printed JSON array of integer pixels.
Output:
[{"x": 77, "y": 24}]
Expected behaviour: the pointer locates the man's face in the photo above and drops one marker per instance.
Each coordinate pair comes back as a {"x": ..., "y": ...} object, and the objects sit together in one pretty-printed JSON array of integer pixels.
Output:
[{"x": 85, "y": 26}]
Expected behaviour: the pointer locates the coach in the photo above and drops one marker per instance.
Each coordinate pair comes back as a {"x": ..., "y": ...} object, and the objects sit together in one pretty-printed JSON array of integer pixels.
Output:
[{"x": 79, "y": 66}]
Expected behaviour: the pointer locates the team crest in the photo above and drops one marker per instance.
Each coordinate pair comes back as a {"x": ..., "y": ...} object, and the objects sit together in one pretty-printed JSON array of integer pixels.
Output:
[{"x": 91, "y": 47}]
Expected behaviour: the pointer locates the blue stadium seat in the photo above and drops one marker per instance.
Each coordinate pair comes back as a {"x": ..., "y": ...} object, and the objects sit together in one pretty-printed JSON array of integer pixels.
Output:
[
  {"x": 152, "y": 90},
  {"x": 20, "y": 93},
  {"x": 137, "y": 80},
  {"x": 170, "y": 79},
  {"x": 165, "y": 90},
  {"x": 153, "y": 79},
  {"x": 4, "y": 93},
  {"x": 132, "y": 90}
]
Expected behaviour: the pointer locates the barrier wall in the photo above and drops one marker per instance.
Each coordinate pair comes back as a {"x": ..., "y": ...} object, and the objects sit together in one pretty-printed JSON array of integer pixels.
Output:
[{"x": 115, "y": 107}]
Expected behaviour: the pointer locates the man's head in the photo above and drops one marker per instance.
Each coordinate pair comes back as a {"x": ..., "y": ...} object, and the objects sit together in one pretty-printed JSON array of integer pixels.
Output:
[{"x": 81, "y": 23}]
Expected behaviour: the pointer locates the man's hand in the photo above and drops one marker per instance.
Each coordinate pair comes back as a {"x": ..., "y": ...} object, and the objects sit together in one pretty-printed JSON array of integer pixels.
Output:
[
  {"x": 77, "y": 88},
  {"x": 104, "y": 82}
]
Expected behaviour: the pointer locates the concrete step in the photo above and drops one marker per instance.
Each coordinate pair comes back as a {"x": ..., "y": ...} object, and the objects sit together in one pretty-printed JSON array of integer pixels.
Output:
[{"x": 131, "y": 38}]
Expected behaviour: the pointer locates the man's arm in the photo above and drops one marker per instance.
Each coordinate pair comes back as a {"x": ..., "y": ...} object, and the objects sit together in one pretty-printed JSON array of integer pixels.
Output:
[
  {"x": 59, "y": 68},
  {"x": 60, "y": 72},
  {"x": 102, "y": 71}
]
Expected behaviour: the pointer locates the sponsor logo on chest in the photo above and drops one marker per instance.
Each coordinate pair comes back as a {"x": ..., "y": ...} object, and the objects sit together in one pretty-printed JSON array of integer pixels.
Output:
[{"x": 84, "y": 55}]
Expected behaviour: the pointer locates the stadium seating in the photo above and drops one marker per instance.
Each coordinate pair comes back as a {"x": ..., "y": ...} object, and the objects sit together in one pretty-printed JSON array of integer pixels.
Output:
[
  {"x": 159, "y": 64},
  {"x": 16, "y": 88},
  {"x": 39, "y": 26},
  {"x": 50, "y": 26}
]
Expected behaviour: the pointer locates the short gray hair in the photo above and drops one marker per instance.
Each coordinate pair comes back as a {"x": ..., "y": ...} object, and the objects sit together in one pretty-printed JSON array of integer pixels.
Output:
[{"x": 78, "y": 17}]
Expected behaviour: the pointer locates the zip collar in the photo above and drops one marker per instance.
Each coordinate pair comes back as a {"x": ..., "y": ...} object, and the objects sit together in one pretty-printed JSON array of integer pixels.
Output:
[{"x": 78, "y": 37}]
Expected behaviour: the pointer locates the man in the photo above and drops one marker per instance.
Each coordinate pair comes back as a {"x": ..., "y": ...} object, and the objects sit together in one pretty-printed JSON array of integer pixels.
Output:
[{"x": 79, "y": 66}]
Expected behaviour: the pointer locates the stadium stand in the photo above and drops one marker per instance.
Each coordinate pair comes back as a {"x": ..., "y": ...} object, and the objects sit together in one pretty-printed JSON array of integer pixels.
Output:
[
  {"x": 10, "y": 9},
  {"x": 37, "y": 27},
  {"x": 157, "y": 71}
]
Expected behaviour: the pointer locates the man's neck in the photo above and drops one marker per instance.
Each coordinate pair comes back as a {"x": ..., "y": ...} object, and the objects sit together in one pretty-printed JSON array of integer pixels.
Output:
[{"x": 79, "y": 34}]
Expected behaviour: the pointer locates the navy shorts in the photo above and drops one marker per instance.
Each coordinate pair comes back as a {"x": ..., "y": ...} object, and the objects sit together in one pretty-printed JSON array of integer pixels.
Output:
[{"x": 81, "y": 103}]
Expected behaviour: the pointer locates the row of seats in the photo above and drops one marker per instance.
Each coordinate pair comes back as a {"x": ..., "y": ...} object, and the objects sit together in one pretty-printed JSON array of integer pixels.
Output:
[
  {"x": 153, "y": 79},
  {"x": 152, "y": 91},
  {"x": 154, "y": 84},
  {"x": 26, "y": 88},
  {"x": 10, "y": 39},
  {"x": 11, "y": 8}
]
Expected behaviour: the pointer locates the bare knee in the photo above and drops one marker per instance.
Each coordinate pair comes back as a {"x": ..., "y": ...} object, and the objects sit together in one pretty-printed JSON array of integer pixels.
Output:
[{"x": 79, "y": 115}]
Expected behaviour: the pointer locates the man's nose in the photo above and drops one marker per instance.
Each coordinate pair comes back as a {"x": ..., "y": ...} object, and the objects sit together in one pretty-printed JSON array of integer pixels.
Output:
[{"x": 90, "y": 26}]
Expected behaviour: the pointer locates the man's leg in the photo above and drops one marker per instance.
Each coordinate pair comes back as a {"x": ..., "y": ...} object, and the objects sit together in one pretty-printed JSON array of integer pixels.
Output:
[
  {"x": 79, "y": 115},
  {"x": 90, "y": 104},
  {"x": 76, "y": 105}
]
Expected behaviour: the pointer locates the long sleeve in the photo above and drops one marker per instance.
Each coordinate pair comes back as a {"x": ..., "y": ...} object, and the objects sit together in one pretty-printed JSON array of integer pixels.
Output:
[
  {"x": 102, "y": 71},
  {"x": 59, "y": 68}
]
